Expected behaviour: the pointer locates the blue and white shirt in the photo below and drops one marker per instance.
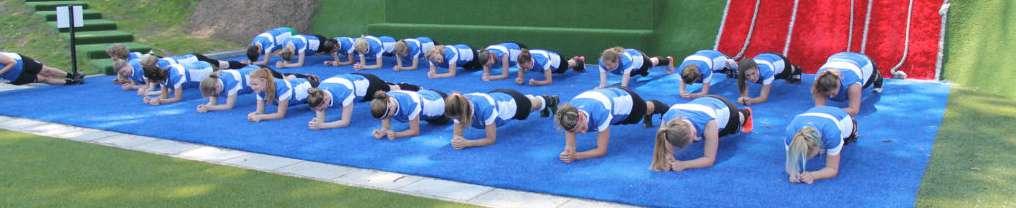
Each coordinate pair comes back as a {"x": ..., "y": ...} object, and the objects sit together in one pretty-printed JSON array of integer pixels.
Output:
[
  {"x": 706, "y": 61},
  {"x": 271, "y": 40},
  {"x": 235, "y": 82},
  {"x": 500, "y": 50},
  {"x": 164, "y": 62},
  {"x": 460, "y": 54},
  {"x": 629, "y": 62},
  {"x": 769, "y": 65},
  {"x": 832, "y": 123},
  {"x": 137, "y": 71},
  {"x": 303, "y": 44},
  {"x": 345, "y": 46},
  {"x": 545, "y": 60},
  {"x": 491, "y": 109},
  {"x": 416, "y": 47},
  {"x": 378, "y": 46},
  {"x": 134, "y": 55},
  {"x": 15, "y": 71},
  {"x": 345, "y": 88},
  {"x": 186, "y": 74},
  {"x": 854, "y": 69},
  {"x": 604, "y": 107},
  {"x": 700, "y": 112},
  {"x": 427, "y": 104},
  {"x": 293, "y": 90}
]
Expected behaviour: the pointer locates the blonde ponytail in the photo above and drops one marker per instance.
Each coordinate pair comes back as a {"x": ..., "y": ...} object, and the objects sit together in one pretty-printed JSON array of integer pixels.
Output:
[
  {"x": 379, "y": 106},
  {"x": 209, "y": 86},
  {"x": 805, "y": 141}
]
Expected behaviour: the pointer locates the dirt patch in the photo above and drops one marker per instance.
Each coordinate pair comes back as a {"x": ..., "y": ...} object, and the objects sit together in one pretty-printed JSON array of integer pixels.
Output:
[{"x": 240, "y": 20}]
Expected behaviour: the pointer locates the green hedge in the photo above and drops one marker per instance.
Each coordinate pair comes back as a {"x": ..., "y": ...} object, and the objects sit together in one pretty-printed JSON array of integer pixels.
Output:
[
  {"x": 569, "y": 41},
  {"x": 667, "y": 27},
  {"x": 608, "y": 14}
]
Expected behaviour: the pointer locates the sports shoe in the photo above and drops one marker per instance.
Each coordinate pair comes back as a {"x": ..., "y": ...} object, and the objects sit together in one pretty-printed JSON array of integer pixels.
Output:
[
  {"x": 748, "y": 124},
  {"x": 551, "y": 105}
]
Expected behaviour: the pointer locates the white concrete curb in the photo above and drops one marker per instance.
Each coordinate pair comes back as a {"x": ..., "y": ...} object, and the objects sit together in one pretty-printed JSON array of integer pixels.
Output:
[{"x": 366, "y": 178}]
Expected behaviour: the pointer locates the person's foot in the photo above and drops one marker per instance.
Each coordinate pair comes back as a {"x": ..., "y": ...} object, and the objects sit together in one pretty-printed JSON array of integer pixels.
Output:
[
  {"x": 314, "y": 80},
  {"x": 748, "y": 124},
  {"x": 74, "y": 81},
  {"x": 670, "y": 65},
  {"x": 648, "y": 120},
  {"x": 551, "y": 105}
]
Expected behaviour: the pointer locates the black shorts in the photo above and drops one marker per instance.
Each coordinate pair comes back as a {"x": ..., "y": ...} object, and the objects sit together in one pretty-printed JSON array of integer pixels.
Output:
[
  {"x": 29, "y": 71},
  {"x": 733, "y": 123},
  {"x": 638, "y": 108},
  {"x": 644, "y": 69},
  {"x": 472, "y": 65},
  {"x": 522, "y": 105},
  {"x": 562, "y": 67},
  {"x": 788, "y": 69},
  {"x": 876, "y": 77},
  {"x": 374, "y": 84}
]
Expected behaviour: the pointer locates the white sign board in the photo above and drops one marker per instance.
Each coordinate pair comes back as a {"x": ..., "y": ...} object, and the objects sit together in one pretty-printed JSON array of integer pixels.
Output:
[{"x": 63, "y": 20}]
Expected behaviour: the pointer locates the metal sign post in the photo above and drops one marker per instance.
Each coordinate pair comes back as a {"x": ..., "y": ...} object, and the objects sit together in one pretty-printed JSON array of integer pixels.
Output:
[{"x": 65, "y": 15}]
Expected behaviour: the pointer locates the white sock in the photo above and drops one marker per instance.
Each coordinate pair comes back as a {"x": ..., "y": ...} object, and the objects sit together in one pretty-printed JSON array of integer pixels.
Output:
[{"x": 543, "y": 103}]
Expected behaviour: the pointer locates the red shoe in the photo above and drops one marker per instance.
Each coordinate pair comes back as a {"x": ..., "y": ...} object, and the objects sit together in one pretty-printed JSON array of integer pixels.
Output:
[{"x": 748, "y": 124}]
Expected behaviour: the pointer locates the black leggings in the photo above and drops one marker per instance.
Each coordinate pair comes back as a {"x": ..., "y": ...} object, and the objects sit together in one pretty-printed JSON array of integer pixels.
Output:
[
  {"x": 562, "y": 67},
  {"x": 876, "y": 77},
  {"x": 375, "y": 84},
  {"x": 789, "y": 69},
  {"x": 734, "y": 122},
  {"x": 215, "y": 62},
  {"x": 472, "y": 64},
  {"x": 638, "y": 108},
  {"x": 522, "y": 104}
]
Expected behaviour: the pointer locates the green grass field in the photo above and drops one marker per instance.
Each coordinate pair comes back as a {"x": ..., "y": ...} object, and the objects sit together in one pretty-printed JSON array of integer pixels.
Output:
[
  {"x": 161, "y": 27},
  {"x": 973, "y": 164},
  {"x": 47, "y": 172}
]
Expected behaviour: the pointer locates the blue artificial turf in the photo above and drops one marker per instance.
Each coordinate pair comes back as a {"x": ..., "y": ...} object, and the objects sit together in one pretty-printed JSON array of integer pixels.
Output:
[{"x": 884, "y": 168}]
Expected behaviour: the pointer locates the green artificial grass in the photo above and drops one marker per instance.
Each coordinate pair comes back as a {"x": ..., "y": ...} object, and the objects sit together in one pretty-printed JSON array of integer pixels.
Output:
[
  {"x": 24, "y": 33},
  {"x": 980, "y": 48},
  {"x": 973, "y": 164},
  {"x": 47, "y": 172},
  {"x": 160, "y": 24}
]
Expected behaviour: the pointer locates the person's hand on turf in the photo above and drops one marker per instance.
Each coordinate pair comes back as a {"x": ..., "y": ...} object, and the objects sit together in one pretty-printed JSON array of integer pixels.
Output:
[
  {"x": 254, "y": 117},
  {"x": 744, "y": 100},
  {"x": 795, "y": 178},
  {"x": 686, "y": 95},
  {"x": 125, "y": 86},
  {"x": 202, "y": 108},
  {"x": 807, "y": 178},
  {"x": 532, "y": 81},
  {"x": 142, "y": 91},
  {"x": 519, "y": 80},
  {"x": 391, "y": 135},
  {"x": 485, "y": 77},
  {"x": 567, "y": 156},
  {"x": 378, "y": 133},
  {"x": 458, "y": 142},
  {"x": 330, "y": 63},
  {"x": 358, "y": 66},
  {"x": 280, "y": 64},
  {"x": 315, "y": 124},
  {"x": 676, "y": 165}
]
